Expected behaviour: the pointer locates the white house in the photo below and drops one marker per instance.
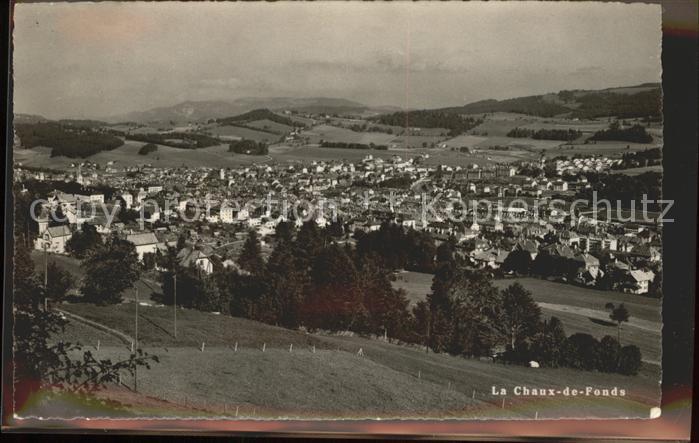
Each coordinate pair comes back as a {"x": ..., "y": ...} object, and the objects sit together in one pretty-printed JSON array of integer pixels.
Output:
[
  {"x": 145, "y": 242},
  {"x": 54, "y": 238}
]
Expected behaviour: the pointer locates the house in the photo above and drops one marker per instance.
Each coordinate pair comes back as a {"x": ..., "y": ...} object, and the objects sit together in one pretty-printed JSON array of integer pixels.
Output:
[
  {"x": 145, "y": 242},
  {"x": 530, "y": 246},
  {"x": 54, "y": 239},
  {"x": 639, "y": 281},
  {"x": 198, "y": 256}
]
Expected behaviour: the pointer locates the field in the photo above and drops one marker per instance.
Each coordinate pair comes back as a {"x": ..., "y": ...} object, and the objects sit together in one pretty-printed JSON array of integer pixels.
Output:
[
  {"x": 417, "y": 141},
  {"x": 580, "y": 309},
  {"x": 641, "y": 170},
  {"x": 269, "y": 125},
  {"x": 243, "y": 133},
  {"x": 335, "y": 134},
  {"x": 610, "y": 149},
  {"x": 387, "y": 381},
  {"x": 127, "y": 155}
]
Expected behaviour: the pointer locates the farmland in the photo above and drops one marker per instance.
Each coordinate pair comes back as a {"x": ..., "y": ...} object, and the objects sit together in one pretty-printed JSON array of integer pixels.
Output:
[
  {"x": 387, "y": 380},
  {"x": 335, "y": 134},
  {"x": 127, "y": 155}
]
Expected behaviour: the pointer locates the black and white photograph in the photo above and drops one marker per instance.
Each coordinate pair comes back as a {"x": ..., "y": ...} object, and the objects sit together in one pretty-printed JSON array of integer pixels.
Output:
[{"x": 337, "y": 211}]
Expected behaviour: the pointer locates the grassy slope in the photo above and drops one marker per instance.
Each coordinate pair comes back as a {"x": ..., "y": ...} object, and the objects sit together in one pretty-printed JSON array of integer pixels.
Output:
[{"x": 335, "y": 379}]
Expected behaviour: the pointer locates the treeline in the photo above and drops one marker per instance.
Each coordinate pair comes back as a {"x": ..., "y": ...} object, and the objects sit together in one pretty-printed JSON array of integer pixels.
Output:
[
  {"x": 345, "y": 145},
  {"x": 259, "y": 114},
  {"x": 634, "y": 134},
  {"x": 545, "y": 134},
  {"x": 66, "y": 140},
  {"x": 147, "y": 149},
  {"x": 308, "y": 280},
  {"x": 188, "y": 140},
  {"x": 532, "y": 105},
  {"x": 647, "y": 157},
  {"x": 314, "y": 283},
  {"x": 645, "y": 104},
  {"x": 366, "y": 128},
  {"x": 249, "y": 147},
  {"x": 455, "y": 123},
  {"x": 466, "y": 315}
]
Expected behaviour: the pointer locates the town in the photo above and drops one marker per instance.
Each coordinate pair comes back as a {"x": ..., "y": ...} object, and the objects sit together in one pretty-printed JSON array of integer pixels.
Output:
[{"x": 193, "y": 204}]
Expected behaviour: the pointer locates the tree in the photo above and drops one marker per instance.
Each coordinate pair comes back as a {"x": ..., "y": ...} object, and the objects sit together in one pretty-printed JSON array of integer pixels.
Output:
[
  {"x": 110, "y": 270},
  {"x": 334, "y": 301},
  {"x": 547, "y": 345},
  {"x": 287, "y": 284},
  {"x": 609, "y": 354},
  {"x": 58, "y": 282},
  {"x": 27, "y": 290},
  {"x": 518, "y": 261},
  {"x": 581, "y": 351},
  {"x": 387, "y": 308},
  {"x": 519, "y": 315},
  {"x": 284, "y": 232},
  {"x": 619, "y": 315},
  {"x": 250, "y": 258},
  {"x": 630, "y": 360},
  {"x": 38, "y": 361}
]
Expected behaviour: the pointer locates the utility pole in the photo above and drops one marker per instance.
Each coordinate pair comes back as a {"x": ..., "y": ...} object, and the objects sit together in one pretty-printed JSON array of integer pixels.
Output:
[
  {"x": 46, "y": 273},
  {"x": 174, "y": 304},
  {"x": 136, "y": 338},
  {"x": 135, "y": 372}
]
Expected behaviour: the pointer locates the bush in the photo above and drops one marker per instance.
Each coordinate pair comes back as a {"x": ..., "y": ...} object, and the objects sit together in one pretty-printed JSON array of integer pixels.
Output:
[
  {"x": 250, "y": 147},
  {"x": 629, "y": 360},
  {"x": 147, "y": 149},
  {"x": 581, "y": 351},
  {"x": 609, "y": 354}
]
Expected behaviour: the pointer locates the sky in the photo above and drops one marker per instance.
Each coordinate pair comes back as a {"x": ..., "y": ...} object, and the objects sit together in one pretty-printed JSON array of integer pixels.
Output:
[{"x": 91, "y": 60}]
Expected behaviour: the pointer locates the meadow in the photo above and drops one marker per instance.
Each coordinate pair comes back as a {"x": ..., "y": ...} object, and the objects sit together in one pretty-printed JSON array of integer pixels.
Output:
[{"x": 275, "y": 372}]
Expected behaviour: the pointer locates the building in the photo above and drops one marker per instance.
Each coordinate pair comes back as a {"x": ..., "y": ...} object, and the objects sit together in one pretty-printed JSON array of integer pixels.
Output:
[
  {"x": 54, "y": 239},
  {"x": 198, "y": 256},
  {"x": 640, "y": 281},
  {"x": 145, "y": 242}
]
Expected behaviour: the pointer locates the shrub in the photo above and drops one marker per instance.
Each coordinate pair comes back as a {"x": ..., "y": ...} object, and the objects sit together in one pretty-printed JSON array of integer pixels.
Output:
[
  {"x": 147, "y": 149},
  {"x": 581, "y": 351},
  {"x": 609, "y": 354},
  {"x": 629, "y": 360}
]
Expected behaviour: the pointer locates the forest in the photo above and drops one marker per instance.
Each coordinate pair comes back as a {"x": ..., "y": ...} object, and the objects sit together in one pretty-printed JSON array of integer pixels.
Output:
[
  {"x": 456, "y": 124},
  {"x": 66, "y": 140}
]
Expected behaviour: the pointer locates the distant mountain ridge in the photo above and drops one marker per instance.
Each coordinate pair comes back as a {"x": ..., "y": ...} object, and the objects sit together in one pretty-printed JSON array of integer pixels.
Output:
[
  {"x": 217, "y": 109},
  {"x": 626, "y": 102}
]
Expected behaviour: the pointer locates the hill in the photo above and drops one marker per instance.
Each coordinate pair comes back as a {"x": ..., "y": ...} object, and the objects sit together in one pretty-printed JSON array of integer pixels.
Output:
[
  {"x": 322, "y": 375},
  {"x": 66, "y": 140},
  {"x": 190, "y": 111},
  {"x": 642, "y": 101},
  {"x": 255, "y": 115}
]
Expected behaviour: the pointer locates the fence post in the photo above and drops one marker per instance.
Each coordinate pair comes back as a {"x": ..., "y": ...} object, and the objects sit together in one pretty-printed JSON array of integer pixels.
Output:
[
  {"x": 98, "y": 345},
  {"x": 264, "y": 346},
  {"x": 291, "y": 347},
  {"x": 236, "y": 411},
  {"x": 236, "y": 347},
  {"x": 419, "y": 374},
  {"x": 202, "y": 346},
  {"x": 314, "y": 349},
  {"x": 474, "y": 394},
  {"x": 503, "y": 403}
]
